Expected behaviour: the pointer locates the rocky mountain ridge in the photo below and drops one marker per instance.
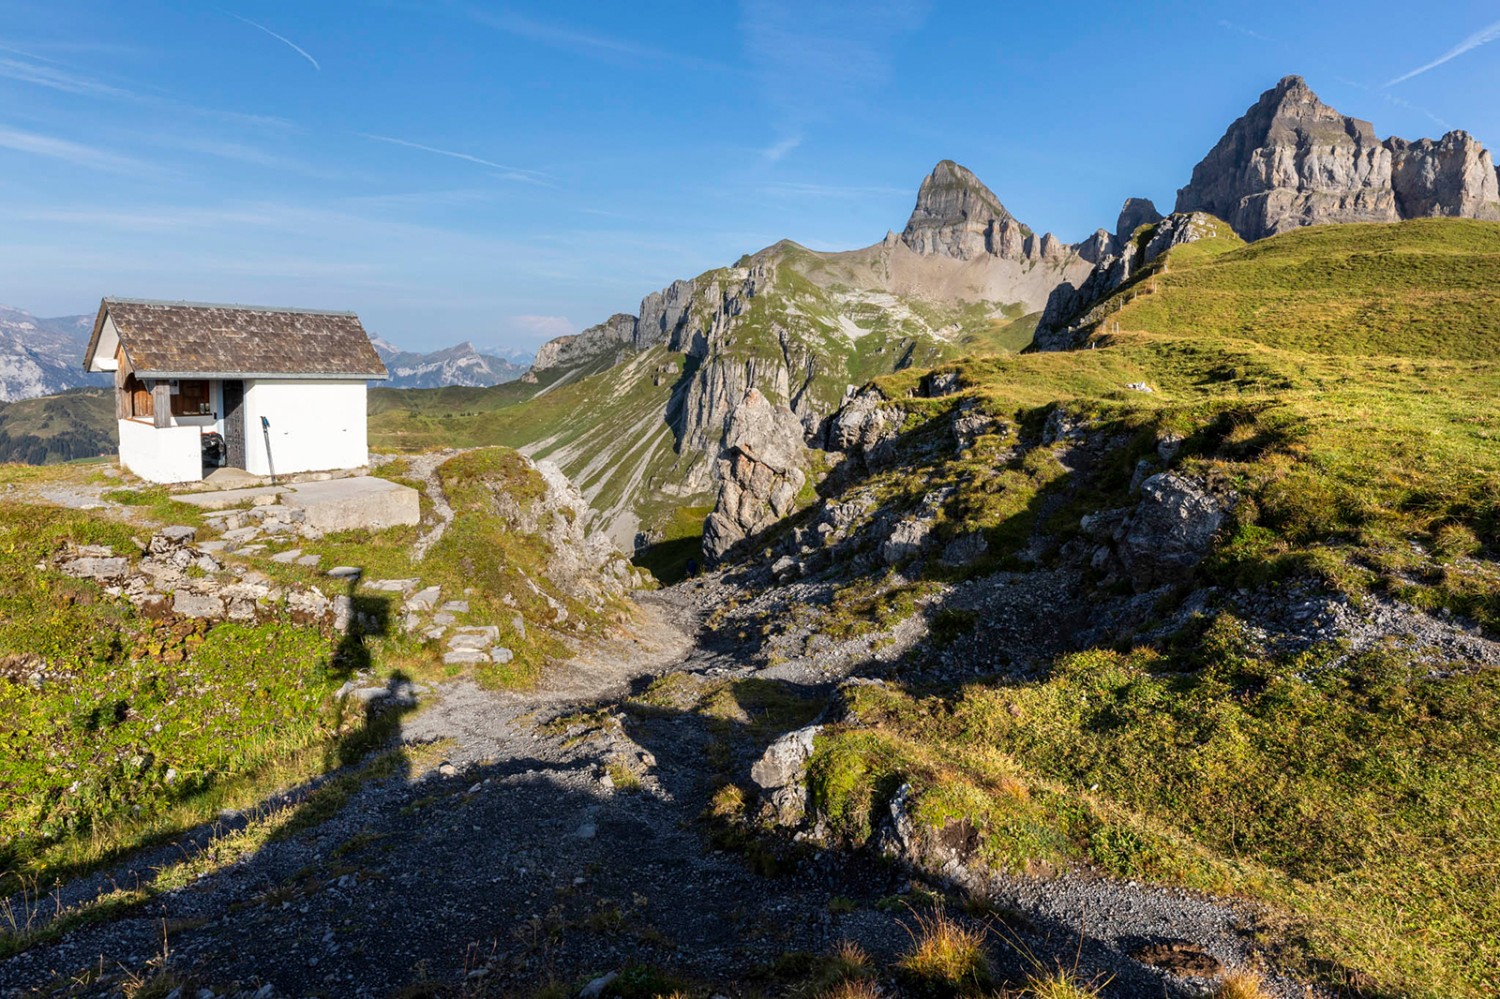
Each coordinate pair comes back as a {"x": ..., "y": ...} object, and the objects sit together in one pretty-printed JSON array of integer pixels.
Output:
[
  {"x": 1292, "y": 160},
  {"x": 637, "y": 406}
]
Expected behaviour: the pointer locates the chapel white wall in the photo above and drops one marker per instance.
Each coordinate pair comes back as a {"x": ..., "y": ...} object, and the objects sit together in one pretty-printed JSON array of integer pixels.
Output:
[
  {"x": 315, "y": 426},
  {"x": 161, "y": 454}
]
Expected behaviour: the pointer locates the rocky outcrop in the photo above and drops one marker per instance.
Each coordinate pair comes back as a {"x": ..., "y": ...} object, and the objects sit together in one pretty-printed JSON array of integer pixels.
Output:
[
  {"x": 1452, "y": 176},
  {"x": 176, "y": 577},
  {"x": 606, "y": 339},
  {"x": 781, "y": 774},
  {"x": 1135, "y": 213},
  {"x": 862, "y": 425},
  {"x": 957, "y": 216},
  {"x": 1292, "y": 161},
  {"x": 760, "y": 473},
  {"x": 1072, "y": 310},
  {"x": 1171, "y": 530}
]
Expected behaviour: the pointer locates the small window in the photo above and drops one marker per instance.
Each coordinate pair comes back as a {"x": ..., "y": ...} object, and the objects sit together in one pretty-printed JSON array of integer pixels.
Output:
[{"x": 191, "y": 399}]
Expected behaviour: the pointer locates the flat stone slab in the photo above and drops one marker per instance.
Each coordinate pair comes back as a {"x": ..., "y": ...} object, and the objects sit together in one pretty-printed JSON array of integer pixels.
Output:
[
  {"x": 394, "y": 585},
  {"x": 226, "y": 498},
  {"x": 424, "y": 600},
  {"x": 360, "y": 502},
  {"x": 288, "y": 556}
]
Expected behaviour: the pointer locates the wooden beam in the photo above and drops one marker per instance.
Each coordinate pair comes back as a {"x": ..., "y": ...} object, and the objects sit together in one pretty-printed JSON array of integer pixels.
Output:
[{"x": 161, "y": 403}]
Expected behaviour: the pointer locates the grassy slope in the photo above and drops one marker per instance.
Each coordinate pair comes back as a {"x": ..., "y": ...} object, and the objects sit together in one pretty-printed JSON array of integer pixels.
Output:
[
  {"x": 1362, "y": 798},
  {"x": 63, "y": 427},
  {"x": 144, "y": 728}
]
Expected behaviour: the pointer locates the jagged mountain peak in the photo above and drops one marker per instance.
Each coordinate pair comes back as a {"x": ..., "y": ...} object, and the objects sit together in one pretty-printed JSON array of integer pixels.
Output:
[
  {"x": 1291, "y": 160},
  {"x": 952, "y": 199},
  {"x": 957, "y": 216},
  {"x": 1135, "y": 213}
]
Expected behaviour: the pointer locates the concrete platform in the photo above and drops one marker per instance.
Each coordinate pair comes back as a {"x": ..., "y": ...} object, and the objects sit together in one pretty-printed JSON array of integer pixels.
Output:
[
  {"x": 223, "y": 499},
  {"x": 346, "y": 504}
]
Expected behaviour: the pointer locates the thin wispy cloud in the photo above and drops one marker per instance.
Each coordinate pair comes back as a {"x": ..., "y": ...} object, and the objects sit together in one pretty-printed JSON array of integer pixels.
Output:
[
  {"x": 813, "y": 61},
  {"x": 280, "y": 38},
  {"x": 615, "y": 50},
  {"x": 1481, "y": 37},
  {"x": 58, "y": 79},
  {"x": 777, "y": 151},
  {"x": 545, "y": 326},
  {"x": 507, "y": 172},
  {"x": 55, "y": 76},
  {"x": 1247, "y": 32},
  {"x": 67, "y": 151}
]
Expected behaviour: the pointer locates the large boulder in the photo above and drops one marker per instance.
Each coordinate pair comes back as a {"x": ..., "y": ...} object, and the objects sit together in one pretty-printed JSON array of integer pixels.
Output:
[
  {"x": 1171, "y": 529},
  {"x": 760, "y": 473},
  {"x": 781, "y": 774}
]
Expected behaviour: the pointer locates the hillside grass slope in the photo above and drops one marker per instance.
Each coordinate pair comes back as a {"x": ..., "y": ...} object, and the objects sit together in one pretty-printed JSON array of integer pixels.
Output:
[{"x": 1340, "y": 383}]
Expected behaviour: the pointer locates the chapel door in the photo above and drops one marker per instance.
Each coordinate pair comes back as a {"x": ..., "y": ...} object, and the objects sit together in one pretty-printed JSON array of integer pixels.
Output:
[{"x": 234, "y": 423}]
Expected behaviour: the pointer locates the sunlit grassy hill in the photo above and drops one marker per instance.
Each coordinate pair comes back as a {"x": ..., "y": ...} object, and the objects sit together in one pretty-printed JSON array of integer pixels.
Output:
[{"x": 1339, "y": 384}]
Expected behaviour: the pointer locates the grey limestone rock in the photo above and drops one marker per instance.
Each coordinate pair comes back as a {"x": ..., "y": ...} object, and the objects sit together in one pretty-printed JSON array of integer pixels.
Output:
[
  {"x": 1135, "y": 213},
  {"x": 760, "y": 473},
  {"x": 781, "y": 774},
  {"x": 190, "y": 604},
  {"x": 105, "y": 570},
  {"x": 1171, "y": 531},
  {"x": 957, "y": 216},
  {"x": 1292, "y": 160},
  {"x": 1453, "y": 176}
]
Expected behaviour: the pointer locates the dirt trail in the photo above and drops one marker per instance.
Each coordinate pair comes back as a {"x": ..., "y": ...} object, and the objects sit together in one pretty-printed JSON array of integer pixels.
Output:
[{"x": 519, "y": 861}]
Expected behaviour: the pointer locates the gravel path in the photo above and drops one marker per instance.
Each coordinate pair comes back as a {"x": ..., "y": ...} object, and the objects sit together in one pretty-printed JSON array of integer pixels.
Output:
[{"x": 512, "y": 860}]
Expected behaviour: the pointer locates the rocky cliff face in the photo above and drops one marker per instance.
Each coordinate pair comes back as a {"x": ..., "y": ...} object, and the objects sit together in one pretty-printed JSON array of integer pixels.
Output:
[
  {"x": 607, "y": 339},
  {"x": 760, "y": 473},
  {"x": 1452, "y": 176},
  {"x": 1292, "y": 160}
]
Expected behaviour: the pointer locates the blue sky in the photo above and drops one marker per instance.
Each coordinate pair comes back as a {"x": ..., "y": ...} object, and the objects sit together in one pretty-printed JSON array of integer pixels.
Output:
[{"x": 504, "y": 173}]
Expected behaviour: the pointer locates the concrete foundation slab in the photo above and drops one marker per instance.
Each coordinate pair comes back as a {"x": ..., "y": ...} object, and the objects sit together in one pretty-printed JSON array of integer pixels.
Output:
[
  {"x": 360, "y": 502},
  {"x": 223, "y": 499}
]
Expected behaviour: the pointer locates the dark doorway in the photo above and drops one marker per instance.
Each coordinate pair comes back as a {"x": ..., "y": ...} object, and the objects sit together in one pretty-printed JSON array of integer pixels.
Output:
[{"x": 234, "y": 423}]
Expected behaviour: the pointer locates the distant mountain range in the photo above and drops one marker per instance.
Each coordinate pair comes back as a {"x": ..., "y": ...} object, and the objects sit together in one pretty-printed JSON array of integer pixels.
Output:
[
  {"x": 459, "y": 365},
  {"x": 41, "y": 356}
]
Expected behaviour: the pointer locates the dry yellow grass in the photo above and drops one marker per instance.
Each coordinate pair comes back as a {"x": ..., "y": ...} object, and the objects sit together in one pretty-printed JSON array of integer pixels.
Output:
[
  {"x": 1241, "y": 984},
  {"x": 1058, "y": 984},
  {"x": 947, "y": 958}
]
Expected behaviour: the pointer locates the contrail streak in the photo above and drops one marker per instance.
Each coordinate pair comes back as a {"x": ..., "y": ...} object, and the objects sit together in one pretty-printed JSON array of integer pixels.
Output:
[
  {"x": 280, "y": 38},
  {"x": 1478, "y": 38}
]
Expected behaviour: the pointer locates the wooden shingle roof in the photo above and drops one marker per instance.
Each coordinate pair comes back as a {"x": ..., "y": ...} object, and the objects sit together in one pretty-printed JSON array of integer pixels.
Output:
[{"x": 195, "y": 340}]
